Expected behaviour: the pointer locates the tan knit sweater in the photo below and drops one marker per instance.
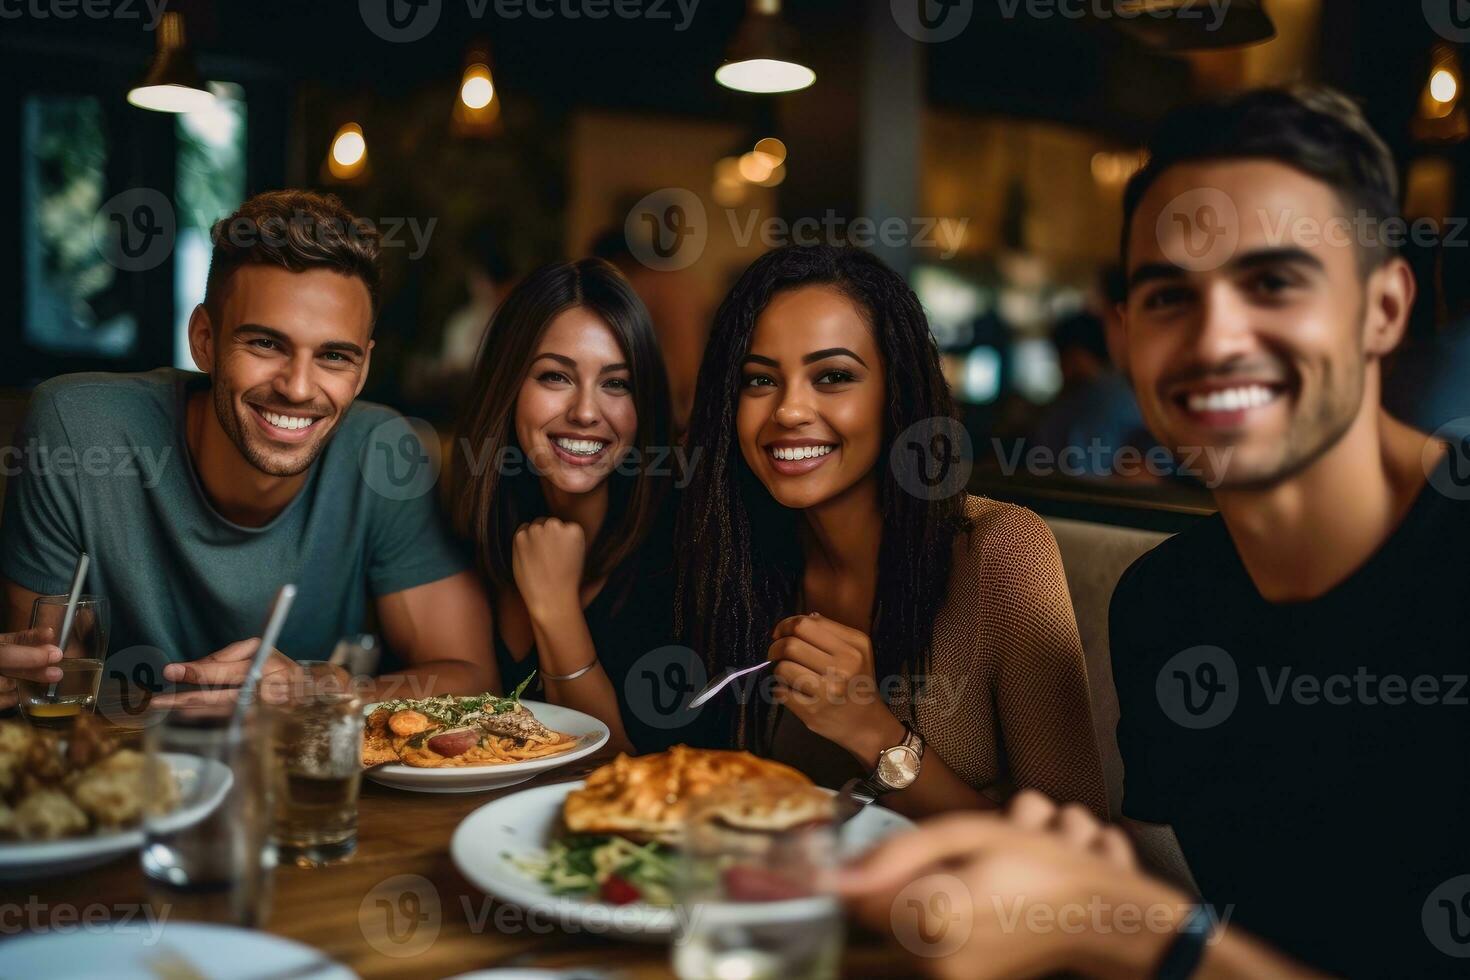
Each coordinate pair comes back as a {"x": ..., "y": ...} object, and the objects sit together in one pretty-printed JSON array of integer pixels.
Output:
[{"x": 1006, "y": 704}]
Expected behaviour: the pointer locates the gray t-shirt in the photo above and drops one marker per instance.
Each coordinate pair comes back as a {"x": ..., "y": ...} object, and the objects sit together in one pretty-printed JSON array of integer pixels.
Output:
[{"x": 103, "y": 465}]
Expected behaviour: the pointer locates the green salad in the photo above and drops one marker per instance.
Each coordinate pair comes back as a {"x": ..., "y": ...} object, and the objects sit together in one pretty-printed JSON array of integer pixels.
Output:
[
  {"x": 604, "y": 868},
  {"x": 450, "y": 710}
]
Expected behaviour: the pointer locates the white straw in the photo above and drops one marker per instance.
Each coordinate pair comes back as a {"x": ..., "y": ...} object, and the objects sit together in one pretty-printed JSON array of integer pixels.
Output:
[
  {"x": 67, "y": 621},
  {"x": 272, "y": 632}
]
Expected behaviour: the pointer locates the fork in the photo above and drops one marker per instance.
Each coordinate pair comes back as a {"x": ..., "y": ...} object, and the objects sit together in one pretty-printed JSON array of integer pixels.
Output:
[{"x": 716, "y": 687}]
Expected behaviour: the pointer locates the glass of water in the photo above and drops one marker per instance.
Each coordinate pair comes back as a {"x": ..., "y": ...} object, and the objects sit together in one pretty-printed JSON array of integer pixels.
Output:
[
  {"x": 206, "y": 852},
  {"x": 753, "y": 902},
  {"x": 316, "y": 738},
  {"x": 57, "y": 705}
]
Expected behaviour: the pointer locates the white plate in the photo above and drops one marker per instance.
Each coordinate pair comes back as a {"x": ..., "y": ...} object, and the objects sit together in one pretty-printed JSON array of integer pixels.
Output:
[
  {"x": 143, "y": 950},
  {"x": 31, "y": 859},
  {"x": 487, "y": 842},
  {"x": 591, "y": 736}
]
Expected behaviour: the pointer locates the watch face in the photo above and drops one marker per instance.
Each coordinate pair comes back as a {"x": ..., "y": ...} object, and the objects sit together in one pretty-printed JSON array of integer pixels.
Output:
[{"x": 898, "y": 766}]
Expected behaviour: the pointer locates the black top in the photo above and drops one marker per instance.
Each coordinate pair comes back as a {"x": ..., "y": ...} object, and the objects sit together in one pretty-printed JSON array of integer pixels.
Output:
[
  {"x": 1313, "y": 757},
  {"x": 632, "y": 625}
]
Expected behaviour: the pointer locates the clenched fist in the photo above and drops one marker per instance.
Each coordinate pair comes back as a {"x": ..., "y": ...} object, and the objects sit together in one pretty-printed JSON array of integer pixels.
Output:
[{"x": 547, "y": 557}]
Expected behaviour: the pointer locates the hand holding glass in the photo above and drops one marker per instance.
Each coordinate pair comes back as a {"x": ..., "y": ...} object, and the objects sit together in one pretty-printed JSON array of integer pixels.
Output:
[{"x": 57, "y": 705}]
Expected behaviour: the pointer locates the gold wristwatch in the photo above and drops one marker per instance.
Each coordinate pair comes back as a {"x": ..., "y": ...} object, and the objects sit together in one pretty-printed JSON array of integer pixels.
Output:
[{"x": 898, "y": 767}]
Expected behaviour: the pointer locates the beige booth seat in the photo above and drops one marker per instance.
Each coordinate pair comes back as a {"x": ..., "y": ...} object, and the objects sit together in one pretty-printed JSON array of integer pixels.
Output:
[{"x": 1095, "y": 557}]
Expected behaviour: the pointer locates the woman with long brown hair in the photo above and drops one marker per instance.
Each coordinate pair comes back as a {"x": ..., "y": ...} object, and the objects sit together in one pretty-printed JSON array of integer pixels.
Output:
[
  {"x": 923, "y": 640},
  {"x": 560, "y": 482}
]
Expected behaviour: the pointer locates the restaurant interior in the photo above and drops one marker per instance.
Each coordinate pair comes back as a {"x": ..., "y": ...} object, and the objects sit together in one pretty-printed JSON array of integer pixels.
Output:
[{"x": 485, "y": 139}]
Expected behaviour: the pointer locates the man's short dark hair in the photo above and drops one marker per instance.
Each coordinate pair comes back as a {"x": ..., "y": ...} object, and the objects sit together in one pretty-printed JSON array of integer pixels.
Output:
[
  {"x": 296, "y": 230},
  {"x": 1315, "y": 130}
]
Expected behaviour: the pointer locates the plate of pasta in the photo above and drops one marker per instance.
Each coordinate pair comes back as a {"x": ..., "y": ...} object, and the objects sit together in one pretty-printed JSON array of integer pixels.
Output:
[{"x": 448, "y": 744}]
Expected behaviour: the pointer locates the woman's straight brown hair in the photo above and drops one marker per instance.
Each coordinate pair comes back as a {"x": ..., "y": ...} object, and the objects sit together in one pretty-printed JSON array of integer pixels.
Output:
[{"x": 493, "y": 487}]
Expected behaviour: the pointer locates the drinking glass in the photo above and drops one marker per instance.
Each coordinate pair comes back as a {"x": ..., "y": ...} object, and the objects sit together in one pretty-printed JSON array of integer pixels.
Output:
[
  {"x": 206, "y": 852},
  {"x": 58, "y": 705},
  {"x": 316, "y": 737},
  {"x": 753, "y": 903}
]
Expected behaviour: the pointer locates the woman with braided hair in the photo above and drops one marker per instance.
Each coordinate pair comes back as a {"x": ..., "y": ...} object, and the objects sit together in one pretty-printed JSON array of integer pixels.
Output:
[{"x": 923, "y": 639}]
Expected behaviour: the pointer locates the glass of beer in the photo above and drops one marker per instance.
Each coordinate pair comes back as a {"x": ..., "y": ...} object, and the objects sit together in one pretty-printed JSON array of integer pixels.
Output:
[
  {"x": 57, "y": 705},
  {"x": 316, "y": 733}
]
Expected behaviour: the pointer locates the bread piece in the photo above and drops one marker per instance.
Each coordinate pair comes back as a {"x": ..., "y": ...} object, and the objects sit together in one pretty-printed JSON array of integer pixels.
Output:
[
  {"x": 48, "y": 814},
  {"x": 648, "y": 797}
]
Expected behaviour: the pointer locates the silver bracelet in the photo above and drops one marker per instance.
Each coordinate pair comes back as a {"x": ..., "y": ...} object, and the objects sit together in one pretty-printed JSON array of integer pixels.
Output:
[{"x": 569, "y": 677}]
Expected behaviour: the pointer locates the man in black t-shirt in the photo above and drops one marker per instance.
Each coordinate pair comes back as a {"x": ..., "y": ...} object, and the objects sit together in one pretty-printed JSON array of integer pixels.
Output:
[{"x": 1292, "y": 672}]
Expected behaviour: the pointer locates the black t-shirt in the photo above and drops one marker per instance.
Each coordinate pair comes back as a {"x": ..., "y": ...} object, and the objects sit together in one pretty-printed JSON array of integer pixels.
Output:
[
  {"x": 631, "y": 621},
  {"x": 1313, "y": 757}
]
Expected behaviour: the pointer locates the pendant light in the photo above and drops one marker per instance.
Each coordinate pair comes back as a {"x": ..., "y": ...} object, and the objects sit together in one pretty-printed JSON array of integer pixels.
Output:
[
  {"x": 762, "y": 58},
  {"x": 173, "y": 83}
]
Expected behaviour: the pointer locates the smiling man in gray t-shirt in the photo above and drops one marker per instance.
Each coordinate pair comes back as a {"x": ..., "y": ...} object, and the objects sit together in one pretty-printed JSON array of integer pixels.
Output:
[{"x": 199, "y": 495}]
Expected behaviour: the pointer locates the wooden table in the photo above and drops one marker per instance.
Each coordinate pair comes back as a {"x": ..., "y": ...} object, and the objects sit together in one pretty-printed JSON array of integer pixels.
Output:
[{"x": 336, "y": 909}]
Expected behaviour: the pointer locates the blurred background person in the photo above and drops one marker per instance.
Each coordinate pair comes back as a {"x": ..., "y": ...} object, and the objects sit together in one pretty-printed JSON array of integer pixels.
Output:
[
  {"x": 1427, "y": 383},
  {"x": 489, "y": 275},
  {"x": 1096, "y": 408}
]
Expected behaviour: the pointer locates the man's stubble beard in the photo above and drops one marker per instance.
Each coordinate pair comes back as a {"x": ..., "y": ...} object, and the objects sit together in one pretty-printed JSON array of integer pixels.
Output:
[
  {"x": 224, "y": 410},
  {"x": 1335, "y": 417}
]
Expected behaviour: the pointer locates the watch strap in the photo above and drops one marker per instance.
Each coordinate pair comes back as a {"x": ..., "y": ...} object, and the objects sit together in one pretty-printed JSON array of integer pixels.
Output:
[{"x": 1183, "y": 956}]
